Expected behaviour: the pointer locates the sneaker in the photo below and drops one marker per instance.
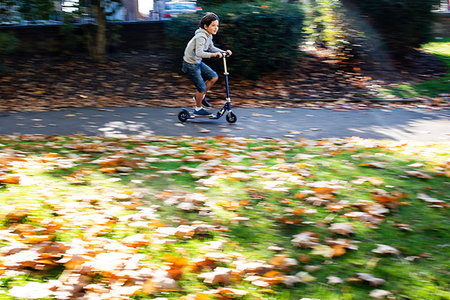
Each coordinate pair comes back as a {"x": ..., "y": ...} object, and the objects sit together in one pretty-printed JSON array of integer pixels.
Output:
[
  {"x": 206, "y": 103},
  {"x": 201, "y": 112}
]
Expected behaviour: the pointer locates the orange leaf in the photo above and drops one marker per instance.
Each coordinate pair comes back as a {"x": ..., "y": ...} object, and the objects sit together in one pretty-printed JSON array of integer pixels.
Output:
[
  {"x": 338, "y": 250},
  {"x": 149, "y": 287},
  {"x": 298, "y": 211},
  {"x": 10, "y": 179},
  {"x": 323, "y": 190},
  {"x": 300, "y": 196}
]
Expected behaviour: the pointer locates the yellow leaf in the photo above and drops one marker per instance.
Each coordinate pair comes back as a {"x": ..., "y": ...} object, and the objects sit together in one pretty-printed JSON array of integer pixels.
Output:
[{"x": 323, "y": 250}]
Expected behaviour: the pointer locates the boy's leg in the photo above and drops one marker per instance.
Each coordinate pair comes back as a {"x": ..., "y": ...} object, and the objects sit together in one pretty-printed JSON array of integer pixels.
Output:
[
  {"x": 211, "y": 77},
  {"x": 210, "y": 83},
  {"x": 199, "y": 97}
]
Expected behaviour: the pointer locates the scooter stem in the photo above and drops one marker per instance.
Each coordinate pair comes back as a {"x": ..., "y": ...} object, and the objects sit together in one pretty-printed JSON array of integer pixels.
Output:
[{"x": 225, "y": 65}]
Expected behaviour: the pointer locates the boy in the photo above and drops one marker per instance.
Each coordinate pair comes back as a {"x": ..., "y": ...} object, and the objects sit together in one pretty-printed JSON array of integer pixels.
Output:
[{"x": 201, "y": 46}]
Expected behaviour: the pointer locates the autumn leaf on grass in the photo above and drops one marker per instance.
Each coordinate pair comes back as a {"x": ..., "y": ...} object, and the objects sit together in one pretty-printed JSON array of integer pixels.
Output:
[
  {"x": 225, "y": 293},
  {"x": 334, "y": 280},
  {"x": 160, "y": 281},
  {"x": 323, "y": 250},
  {"x": 244, "y": 266},
  {"x": 381, "y": 294},
  {"x": 79, "y": 177},
  {"x": 219, "y": 275},
  {"x": 136, "y": 240},
  {"x": 305, "y": 239},
  {"x": 372, "y": 180},
  {"x": 9, "y": 179},
  {"x": 342, "y": 228},
  {"x": 374, "y": 164},
  {"x": 435, "y": 202},
  {"x": 387, "y": 199},
  {"x": 385, "y": 249},
  {"x": 369, "y": 278},
  {"x": 305, "y": 277},
  {"x": 340, "y": 246},
  {"x": 418, "y": 174},
  {"x": 198, "y": 265},
  {"x": 32, "y": 290},
  {"x": 283, "y": 262},
  {"x": 176, "y": 265}
]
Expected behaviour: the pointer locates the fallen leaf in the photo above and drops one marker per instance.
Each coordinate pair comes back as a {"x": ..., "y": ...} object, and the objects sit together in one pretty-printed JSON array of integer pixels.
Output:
[
  {"x": 334, "y": 280},
  {"x": 431, "y": 200},
  {"x": 9, "y": 179},
  {"x": 305, "y": 239},
  {"x": 380, "y": 294},
  {"x": 323, "y": 250},
  {"x": 342, "y": 228},
  {"x": 418, "y": 174},
  {"x": 283, "y": 261},
  {"x": 385, "y": 249},
  {"x": 219, "y": 275},
  {"x": 370, "y": 279},
  {"x": 305, "y": 277}
]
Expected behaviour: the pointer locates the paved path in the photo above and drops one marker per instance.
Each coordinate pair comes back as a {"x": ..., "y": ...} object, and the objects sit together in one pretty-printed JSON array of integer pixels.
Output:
[{"x": 397, "y": 124}]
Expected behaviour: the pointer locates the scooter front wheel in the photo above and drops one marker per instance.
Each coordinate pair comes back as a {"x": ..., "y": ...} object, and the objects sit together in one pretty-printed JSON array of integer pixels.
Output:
[
  {"x": 183, "y": 116},
  {"x": 231, "y": 118}
]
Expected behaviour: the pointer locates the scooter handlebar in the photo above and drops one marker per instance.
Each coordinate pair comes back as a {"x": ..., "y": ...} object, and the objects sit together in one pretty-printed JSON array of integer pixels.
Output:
[{"x": 224, "y": 54}]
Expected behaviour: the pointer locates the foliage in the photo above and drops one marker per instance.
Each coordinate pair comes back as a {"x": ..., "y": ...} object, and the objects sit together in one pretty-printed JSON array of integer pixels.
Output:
[
  {"x": 219, "y": 2},
  {"x": 324, "y": 23},
  {"x": 401, "y": 24},
  {"x": 9, "y": 11},
  {"x": 8, "y": 42},
  {"x": 429, "y": 88},
  {"x": 36, "y": 9},
  {"x": 263, "y": 38}
]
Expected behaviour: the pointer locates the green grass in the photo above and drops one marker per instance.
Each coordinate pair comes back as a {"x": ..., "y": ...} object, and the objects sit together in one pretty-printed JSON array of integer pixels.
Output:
[
  {"x": 251, "y": 196},
  {"x": 430, "y": 88}
]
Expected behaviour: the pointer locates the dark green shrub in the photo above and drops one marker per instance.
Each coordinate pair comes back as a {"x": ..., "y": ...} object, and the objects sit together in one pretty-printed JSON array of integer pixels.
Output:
[
  {"x": 8, "y": 42},
  {"x": 402, "y": 25},
  {"x": 263, "y": 38},
  {"x": 36, "y": 9}
]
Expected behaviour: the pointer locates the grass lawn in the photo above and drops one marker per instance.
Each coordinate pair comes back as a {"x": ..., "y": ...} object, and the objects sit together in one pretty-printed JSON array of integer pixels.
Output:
[
  {"x": 223, "y": 218},
  {"x": 431, "y": 88}
]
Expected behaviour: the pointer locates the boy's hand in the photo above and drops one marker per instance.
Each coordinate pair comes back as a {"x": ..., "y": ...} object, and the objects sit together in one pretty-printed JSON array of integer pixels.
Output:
[
  {"x": 218, "y": 54},
  {"x": 229, "y": 52}
]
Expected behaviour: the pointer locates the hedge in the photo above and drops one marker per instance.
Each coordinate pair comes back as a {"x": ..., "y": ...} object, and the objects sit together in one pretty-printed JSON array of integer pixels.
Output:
[
  {"x": 401, "y": 24},
  {"x": 263, "y": 38}
]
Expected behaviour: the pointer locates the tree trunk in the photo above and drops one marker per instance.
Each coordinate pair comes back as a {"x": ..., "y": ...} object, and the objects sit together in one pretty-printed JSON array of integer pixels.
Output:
[{"x": 98, "y": 51}]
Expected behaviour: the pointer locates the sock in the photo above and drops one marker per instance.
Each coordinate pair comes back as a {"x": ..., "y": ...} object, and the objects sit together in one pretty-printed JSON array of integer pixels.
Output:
[{"x": 198, "y": 108}]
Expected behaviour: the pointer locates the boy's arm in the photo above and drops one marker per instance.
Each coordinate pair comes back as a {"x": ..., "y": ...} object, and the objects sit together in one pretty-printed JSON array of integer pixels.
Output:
[{"x": 199, "y": 44}]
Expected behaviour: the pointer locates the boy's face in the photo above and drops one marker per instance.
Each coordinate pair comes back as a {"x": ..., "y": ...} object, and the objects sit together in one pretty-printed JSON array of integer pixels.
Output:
[{"x": 213, "y": 27}]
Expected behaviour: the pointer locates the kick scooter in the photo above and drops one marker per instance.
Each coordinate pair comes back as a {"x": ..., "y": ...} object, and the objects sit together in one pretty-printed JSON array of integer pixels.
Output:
[{"x": 185, "y": 115}]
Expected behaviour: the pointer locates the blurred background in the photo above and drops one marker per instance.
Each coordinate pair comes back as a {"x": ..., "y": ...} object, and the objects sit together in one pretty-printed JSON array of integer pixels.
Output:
[{"x": 336, "y": 49}]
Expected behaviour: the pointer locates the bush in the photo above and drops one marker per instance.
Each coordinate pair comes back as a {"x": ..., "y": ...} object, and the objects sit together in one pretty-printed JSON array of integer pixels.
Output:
[
  {"x": 263, "y": 38},
  {"x": 8, "y": 42},
  {"x": 402, "y": 25}
]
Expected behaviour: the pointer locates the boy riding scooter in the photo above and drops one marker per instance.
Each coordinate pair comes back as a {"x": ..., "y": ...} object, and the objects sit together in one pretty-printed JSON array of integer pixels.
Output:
[{"x": 199, "y": 47}]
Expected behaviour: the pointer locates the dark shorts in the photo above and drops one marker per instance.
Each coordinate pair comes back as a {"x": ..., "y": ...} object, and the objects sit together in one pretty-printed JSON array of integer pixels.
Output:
[{"x": 199, "y": 73}]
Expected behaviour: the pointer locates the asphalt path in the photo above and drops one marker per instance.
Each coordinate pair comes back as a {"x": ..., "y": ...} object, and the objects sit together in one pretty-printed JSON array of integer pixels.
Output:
[{"x": 413, "y": 124}]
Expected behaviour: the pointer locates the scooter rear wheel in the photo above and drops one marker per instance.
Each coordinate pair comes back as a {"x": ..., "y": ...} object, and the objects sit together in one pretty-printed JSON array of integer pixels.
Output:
[
  {"x": 183, "y": 116},
  {"x": 231, "y": 118}
]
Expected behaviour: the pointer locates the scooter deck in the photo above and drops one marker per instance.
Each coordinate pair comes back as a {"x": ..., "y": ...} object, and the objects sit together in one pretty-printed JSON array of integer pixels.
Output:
[{"x": 211, "y": 116}]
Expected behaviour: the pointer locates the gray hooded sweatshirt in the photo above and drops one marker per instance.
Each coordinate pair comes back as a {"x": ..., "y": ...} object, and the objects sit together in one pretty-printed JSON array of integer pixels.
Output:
[{"x": 200, "y": 46}]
